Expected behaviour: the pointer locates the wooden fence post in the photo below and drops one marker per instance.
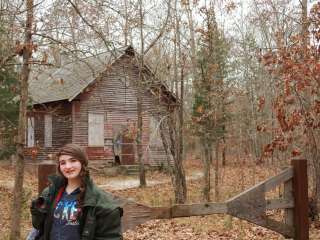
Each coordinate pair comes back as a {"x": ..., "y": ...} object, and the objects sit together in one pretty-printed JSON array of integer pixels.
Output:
[
  {"x": 300, "y": 194},
  {"x": 44, "y": 170},
  {"x": 288, "y": 194}
]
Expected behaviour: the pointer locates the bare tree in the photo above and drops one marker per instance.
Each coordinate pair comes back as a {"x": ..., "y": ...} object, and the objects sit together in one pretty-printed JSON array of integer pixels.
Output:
[
  {"x": 142, "y": 176},
  {"x": 192, "y": 39},
  {"x": 27, "y": 48}
]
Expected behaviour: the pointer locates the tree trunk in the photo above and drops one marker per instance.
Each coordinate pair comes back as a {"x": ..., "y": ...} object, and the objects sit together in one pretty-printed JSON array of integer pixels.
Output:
[
  {"x": 178, "y": 178},
  {"x": 16, "y": 209},
  {"x": 175, "y": 124},
  {"x": 315, "y": 155},
  {"x": 180, "y": 186},
  {"x": 142, "y": 175},
  {"x": 314, "y": 151},
  {"x": 192, "y": 43},
  {"x": 216, "y": 175},
  {"x": 126, "y": 24},
  {"x": 224, "y": 148},
  {"x": 168, "y": 130},
  {"x": 206, "y": 171},
  {"x": 304, "y": 23},
  {"x": 175, "y": 50},
  {"x": 167, "y": 150},
  {"x": 183, "y": 197}
]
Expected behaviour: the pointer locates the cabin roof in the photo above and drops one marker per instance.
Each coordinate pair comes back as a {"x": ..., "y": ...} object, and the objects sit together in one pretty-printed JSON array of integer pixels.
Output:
[{"x": 68, "y": 81}]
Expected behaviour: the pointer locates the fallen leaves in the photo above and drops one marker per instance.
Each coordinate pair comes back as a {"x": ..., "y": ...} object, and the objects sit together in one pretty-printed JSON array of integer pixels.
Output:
[{"x": 233, "y": 179}]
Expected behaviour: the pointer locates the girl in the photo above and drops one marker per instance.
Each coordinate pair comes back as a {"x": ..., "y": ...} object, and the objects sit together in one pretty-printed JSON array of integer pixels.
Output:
[{"x": 72, "y": 207}]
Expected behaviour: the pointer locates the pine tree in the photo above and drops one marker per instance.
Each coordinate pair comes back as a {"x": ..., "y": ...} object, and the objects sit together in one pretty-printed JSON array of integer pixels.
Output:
[
  {"x": 9, "y": 103},
  {"x": 209, "y": 100}
]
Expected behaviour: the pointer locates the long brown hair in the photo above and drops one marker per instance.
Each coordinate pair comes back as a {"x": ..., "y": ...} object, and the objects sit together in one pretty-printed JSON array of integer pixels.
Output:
[{"x": 78, "y": 153}]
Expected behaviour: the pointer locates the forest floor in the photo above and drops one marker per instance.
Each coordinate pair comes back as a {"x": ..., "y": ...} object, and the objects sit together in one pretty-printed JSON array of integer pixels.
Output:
[{"x": 232, "y": 180}]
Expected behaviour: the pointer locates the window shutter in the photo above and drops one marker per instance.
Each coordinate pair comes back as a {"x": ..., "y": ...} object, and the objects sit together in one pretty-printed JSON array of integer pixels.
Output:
[
  {"x": 48, "y": 130},
  {"x": 96, "y": 129},
  {"x": 30, "y": 139}
]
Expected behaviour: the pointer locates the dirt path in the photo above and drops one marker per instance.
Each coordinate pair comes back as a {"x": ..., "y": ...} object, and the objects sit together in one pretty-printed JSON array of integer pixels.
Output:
[
  {"x": 118, "y": 184},
  {"x": 133, "y": 183}
]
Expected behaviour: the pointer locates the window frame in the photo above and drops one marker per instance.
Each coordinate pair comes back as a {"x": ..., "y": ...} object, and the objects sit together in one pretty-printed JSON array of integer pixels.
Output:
[
  {"x": 30, "y": 135},
  {"x": 48, "y": 130},
  {"x": 94, "y": 139}
]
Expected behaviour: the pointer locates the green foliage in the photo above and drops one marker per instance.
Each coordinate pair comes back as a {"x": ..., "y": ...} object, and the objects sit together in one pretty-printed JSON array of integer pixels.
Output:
[
  {"x": 8, "y": 97},
  {"x": 200, "y": 103},
  {"x": 9, "y": 103},
  {"x": 208, "y": 110}
]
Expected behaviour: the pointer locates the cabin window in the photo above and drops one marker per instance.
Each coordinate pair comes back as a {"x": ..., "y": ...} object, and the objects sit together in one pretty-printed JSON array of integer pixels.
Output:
[
  {"x": 155, "y": 138},
  {"x": 48, "y": 130},
  {"x": 30, "y": 132},
  {"x": 96, "y": 129}
]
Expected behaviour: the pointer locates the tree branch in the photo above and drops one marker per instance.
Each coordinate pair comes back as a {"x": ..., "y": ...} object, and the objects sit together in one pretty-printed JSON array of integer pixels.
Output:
[
  {"x": 99, "y": 33},
  {"x": 161, "y": 31}
]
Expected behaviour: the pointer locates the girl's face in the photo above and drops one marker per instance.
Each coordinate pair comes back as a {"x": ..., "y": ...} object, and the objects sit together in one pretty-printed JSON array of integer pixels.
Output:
[{"x": 70, "y": 167}]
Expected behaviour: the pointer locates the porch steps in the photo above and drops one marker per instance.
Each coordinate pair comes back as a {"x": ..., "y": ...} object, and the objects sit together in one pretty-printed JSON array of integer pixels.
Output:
[
  {"x": 98, "y": 165},
  {"x": 132, "y": 170}
]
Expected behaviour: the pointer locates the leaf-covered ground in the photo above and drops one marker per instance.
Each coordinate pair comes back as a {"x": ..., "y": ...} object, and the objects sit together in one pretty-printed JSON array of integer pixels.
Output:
[{"x": 232, "y": 180}]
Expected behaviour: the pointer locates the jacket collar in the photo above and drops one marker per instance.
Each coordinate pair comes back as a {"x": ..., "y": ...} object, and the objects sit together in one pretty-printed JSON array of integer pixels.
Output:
[
  {"x": 56, "y": 182},
  {"x": 90, "y": 198}
]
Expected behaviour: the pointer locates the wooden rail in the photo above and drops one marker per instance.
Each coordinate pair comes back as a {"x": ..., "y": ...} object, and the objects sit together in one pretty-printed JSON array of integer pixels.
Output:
[{"x": 250, "y": 205}]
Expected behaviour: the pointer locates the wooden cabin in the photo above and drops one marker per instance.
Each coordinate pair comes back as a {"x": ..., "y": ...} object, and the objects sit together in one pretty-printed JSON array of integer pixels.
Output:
[{"x": 93, "y": 102}]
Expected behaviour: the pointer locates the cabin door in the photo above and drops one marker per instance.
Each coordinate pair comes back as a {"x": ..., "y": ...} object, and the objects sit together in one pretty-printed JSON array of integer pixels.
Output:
[{"x": 127, "y": 150}]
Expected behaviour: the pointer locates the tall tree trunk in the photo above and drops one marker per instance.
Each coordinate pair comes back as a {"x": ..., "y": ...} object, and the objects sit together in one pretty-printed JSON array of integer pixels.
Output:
[
  {"x": 255, "y": 146},
  {"x": 312, "y": 143},
  {"x": 175, "y": 51},
  {"x": 74, "y": 23},
  {"x": 311, "y": 133},
  {"x": 216, "y": 175},
  {"x": 181, "y": 193},
  {"x": 168, "y": 130},
  {"x": 126, "y": 24},
  {"x": 315, "y": 155},
  {"x": 180, "y": 186},
  {"x": 181, "y": 119},
  {"x": 165, "y": 143},
  {"x": 16, "y": 209},
  {"x": 224, "y": 148},
  {"x": 173, "y": 132},
  {"x": 192, "y": 43},
  {"x": 304, "y": 23},
  {"x": 206, "y": 169},
  {"x": 142, "y": 175}
]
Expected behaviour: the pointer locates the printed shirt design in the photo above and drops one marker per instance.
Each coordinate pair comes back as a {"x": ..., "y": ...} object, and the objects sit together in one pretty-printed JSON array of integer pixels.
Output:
[
  {"x": 66, "y": 222},
  {"x": 67, "y": 212}
]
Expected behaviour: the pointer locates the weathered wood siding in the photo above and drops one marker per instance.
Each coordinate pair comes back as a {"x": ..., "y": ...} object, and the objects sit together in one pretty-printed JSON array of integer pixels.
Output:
[
  {"x": 114, "y": 94},
  {"x": 61, "y": 128}
]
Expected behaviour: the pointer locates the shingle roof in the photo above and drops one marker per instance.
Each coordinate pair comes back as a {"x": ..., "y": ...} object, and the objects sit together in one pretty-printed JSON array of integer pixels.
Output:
[{"x": 65, "y": 83}]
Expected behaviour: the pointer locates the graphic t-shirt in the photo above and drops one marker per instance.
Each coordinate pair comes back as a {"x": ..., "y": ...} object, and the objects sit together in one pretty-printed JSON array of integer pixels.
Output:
[{"x": 66, "y": 224}]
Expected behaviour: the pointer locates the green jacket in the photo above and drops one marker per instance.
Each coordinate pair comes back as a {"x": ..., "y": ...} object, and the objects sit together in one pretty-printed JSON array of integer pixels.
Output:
[{"x": 101, "y": 219}]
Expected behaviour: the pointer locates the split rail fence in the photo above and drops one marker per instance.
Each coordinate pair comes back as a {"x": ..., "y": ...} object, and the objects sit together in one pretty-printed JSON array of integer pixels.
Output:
[{"x": 250, "y": 205}]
